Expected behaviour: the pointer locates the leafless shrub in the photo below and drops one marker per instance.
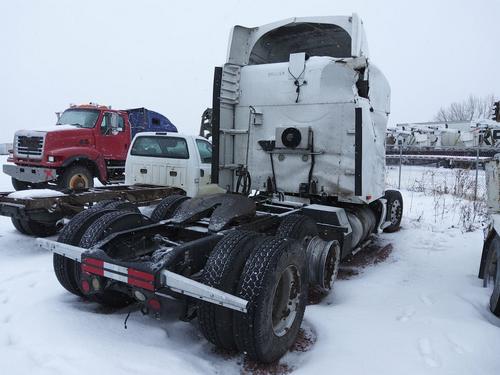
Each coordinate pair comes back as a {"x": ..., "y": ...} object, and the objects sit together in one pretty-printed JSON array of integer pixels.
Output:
[
  {"x": 452, "y": 197},
  {"x": 464, "y": 184},
  {"x": 473, "y": 214}
]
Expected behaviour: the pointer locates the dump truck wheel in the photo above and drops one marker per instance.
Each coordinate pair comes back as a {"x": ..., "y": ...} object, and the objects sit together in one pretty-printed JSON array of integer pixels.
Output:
[
  {"x": 76, "y": 177},
  {"x": 274, "y": 283},
  {"x": 20, "y": 185},
  {"x": 68, "y": 271},
  {"x": 167, "y": 207},
  {"x": 299, "y": 227},
  {"x": 222, "y": 271},
  {"x": 105, "y": 225},
  {"x": 394, "y": 210}
]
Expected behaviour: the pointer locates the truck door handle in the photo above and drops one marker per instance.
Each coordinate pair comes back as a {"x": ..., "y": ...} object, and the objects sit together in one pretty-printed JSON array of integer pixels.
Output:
[
  {"x": 173, "y": 173},
  {"x": 202, "y": 173},
  {"x": 143, "y": 170}
]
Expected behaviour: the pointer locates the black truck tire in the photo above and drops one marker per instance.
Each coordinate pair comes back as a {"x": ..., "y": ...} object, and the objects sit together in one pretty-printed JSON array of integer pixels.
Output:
[
  {"x": 394, "y": 210},
  {"x": 222, "y": 271},
  {"x": 167, "y": 207},
  {"x": 18, "y": 224},
  {"x": 35, "y": 228},
  {"x": 76, "y": 177},
  {"x": 113, "y": 204},
  {"x": 20, "y": 185},
  {"x": 495, "y": 296},
  {"x": 102, "y": 227},
  {"x": 67, "y": 270},
  {"x": 299, "y": 227},
  {"x": 492, "y": 271},
  {"x": 274, "y": 282}
]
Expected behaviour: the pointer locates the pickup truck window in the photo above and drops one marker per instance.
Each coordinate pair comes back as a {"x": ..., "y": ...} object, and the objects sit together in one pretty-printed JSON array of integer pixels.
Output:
[
  {"x": 160, "y": 147},
  {"x": 205, "y": 150},
  {"x": 82, "y": 118}
]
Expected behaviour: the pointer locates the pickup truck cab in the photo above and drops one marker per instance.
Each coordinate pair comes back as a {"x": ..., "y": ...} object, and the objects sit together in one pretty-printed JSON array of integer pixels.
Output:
[
  {"x": 89, "y": 141},
  {"x": 170, "y": 159}
]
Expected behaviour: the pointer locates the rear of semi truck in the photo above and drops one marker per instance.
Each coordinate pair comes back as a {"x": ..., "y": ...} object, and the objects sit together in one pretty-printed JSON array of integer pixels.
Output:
[{"x": 298, "y": 124}]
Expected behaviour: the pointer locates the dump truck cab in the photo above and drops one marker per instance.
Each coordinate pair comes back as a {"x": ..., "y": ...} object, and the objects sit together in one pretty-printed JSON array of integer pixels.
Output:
[{"x": 88, "y": 141}]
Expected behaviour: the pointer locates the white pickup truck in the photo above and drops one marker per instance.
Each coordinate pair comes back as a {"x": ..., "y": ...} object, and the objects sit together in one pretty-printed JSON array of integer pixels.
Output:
[{"x": 171, "y": 159}]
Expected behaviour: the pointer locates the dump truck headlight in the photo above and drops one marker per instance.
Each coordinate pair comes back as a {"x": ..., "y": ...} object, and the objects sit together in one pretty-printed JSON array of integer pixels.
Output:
[{"x": 51, "y": 159}]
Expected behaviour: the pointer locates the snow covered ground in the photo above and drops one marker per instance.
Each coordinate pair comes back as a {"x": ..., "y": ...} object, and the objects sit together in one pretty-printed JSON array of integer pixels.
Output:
[{"x": 418, "y": 309}]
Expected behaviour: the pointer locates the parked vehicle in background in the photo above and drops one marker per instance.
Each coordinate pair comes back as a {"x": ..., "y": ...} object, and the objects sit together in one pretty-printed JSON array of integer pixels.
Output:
[
  {"x": 88, "y": 141},
  {"x": 158, "y": 165},
  {"x": 489, "y": 269},
  {"x": 170, "y": 159}
]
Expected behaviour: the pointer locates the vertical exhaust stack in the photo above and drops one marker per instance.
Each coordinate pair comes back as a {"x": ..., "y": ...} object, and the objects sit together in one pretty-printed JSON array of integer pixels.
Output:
[{"x": 302, "y": 108}]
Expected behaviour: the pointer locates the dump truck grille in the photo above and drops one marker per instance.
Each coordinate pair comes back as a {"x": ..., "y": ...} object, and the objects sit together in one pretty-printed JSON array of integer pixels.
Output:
[{"x": 29, "y": 146}]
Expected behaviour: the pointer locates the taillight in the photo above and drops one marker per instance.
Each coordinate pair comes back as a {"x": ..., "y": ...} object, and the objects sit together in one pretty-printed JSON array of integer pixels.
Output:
[
  {"x": 154, "y": 304},
  {"x": 85, "y": 286}
]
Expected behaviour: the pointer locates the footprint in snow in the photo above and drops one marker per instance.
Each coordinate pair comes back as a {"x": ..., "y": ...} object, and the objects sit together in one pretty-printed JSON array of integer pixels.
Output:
[
  {"x": 426, "y": 299},
  {"x": 457, "y": 346},
  {"x": 406, "y": 314},
  {"x": 427, "y": 353}
]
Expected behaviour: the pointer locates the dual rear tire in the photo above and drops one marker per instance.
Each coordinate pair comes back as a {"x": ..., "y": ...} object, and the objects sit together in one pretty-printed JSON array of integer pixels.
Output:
[
  {"x": 85, "y": 230},
  {"x": 271, "y": 274}
]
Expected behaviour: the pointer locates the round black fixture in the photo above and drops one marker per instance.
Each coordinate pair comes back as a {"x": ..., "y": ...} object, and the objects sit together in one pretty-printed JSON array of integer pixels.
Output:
[{"x": 291, "y": 137}]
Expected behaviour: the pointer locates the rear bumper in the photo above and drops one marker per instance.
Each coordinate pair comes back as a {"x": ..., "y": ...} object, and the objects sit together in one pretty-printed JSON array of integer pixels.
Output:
[
  {"x": 30, "y": 174},
  {"x": 96, "y": 263}
]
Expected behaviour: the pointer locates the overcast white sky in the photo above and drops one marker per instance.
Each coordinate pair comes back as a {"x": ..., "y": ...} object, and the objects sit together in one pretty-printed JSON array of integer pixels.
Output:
[{"x": 161, "y": 54}]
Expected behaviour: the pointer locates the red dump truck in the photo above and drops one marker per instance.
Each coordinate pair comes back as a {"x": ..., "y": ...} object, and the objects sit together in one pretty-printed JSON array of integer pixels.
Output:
[{"x": 88, "y": 141}]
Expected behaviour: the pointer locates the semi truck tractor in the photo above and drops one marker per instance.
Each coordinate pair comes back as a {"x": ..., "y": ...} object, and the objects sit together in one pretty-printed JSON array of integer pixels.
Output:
[
  {"x": 298, "y": 121},
  {"x": 88, "y": 141}
]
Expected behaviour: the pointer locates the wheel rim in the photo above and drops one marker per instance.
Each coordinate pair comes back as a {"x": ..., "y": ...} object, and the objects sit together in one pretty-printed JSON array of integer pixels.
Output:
[
  {"x": 286, "y": 300},
  {"x": 395, "y": 212},
  {"x": 331, "y": 267},
  {"x": 78, "y": 181}
]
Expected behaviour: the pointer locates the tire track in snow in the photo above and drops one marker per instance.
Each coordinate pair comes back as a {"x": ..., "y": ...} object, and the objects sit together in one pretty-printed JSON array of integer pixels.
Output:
[{"x": 427, "y": 353}]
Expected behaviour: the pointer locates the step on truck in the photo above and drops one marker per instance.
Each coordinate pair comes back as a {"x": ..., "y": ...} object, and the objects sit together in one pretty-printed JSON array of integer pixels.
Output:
[
  {"x": 489, "y": 269},
  {"x": 89, "y": 141},
  {"x": 159, "y": 164},
  {"x": 297, "y": 125}
]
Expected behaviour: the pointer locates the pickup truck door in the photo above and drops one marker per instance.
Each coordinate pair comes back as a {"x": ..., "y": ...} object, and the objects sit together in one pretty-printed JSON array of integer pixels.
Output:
[
  {"x": 113, "y": 136},
  {"x": 205, "y": 152}
]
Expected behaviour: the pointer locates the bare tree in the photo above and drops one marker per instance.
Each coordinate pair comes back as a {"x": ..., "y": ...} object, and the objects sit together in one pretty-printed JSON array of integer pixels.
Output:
[{"x": 472, "y": 108}]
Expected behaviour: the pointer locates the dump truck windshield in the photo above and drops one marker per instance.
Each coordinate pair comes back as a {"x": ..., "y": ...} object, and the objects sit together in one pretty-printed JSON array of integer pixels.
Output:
[
  {"x": 315, "y": 39},
  {"x": 82, "y": 118}
]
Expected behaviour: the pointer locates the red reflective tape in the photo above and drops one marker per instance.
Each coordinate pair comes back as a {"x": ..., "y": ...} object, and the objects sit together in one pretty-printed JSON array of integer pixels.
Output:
[
  {"x": 94, "y": 270},
  {"x": 141, "y": 284},
  {"x": 140, "y": 275},
  {"x": 94, "y": 262}
]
